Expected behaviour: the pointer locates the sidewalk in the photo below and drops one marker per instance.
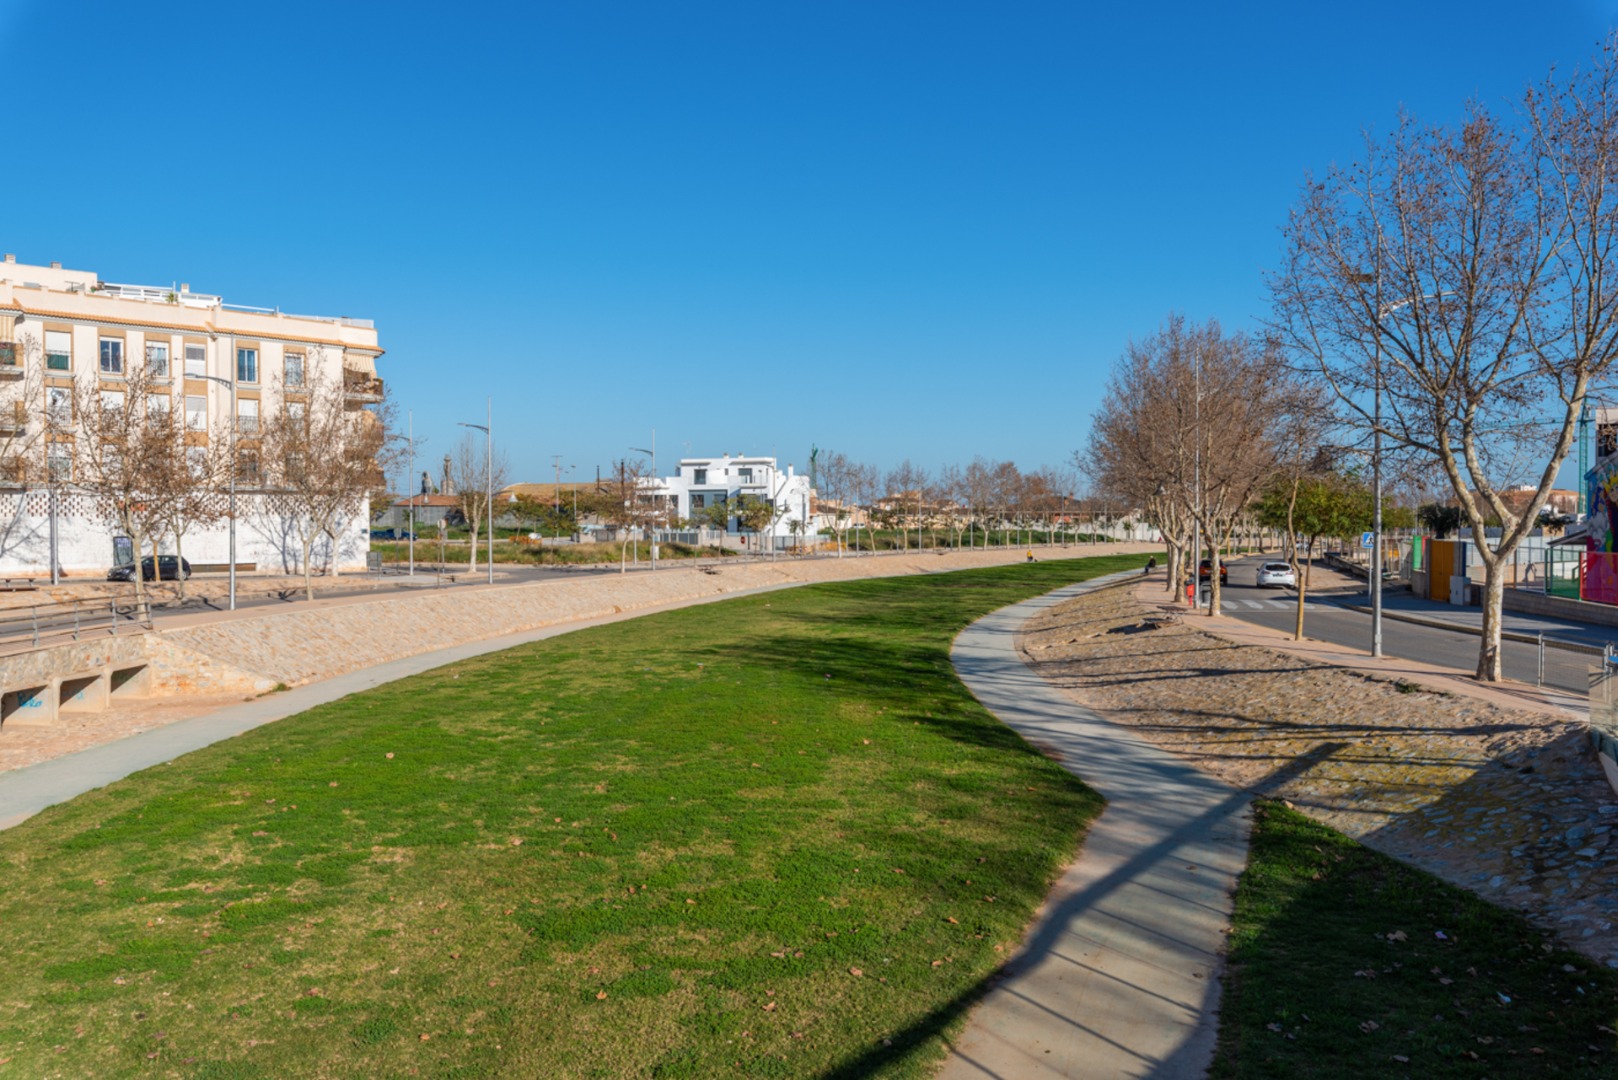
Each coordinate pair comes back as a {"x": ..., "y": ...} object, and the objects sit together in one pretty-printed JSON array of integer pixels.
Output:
[
  {"x": 1119, "y": 975},
  {"x": 1511, "y": 695}
]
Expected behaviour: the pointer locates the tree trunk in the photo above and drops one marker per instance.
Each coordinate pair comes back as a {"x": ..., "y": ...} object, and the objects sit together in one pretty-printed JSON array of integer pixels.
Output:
[
  {"x": 308, "y": 541},
  {"x": 179, "y": 573},
  {"x": 472, "y": 559},
  {"x": 1494, "y": 582}
]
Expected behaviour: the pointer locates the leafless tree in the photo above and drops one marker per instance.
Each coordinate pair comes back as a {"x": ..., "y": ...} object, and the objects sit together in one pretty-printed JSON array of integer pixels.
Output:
[
  {"x": 1458, "y": 289},
  {"x": 470, "y": 473},
  {"x": 123, "y": 455},
  {"x": 1192, "y": 424},
  {"x": 836, "y": 479},
  {"x": 320, "y": 457},
  {"x": 907, "y": 492}
]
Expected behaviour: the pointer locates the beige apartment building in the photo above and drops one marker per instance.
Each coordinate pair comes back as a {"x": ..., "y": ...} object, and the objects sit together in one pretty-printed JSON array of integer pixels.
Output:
[{"x": 61, "y": 327}]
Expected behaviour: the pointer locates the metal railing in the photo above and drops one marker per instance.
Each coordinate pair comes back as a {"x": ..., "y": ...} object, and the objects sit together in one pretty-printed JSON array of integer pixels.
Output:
[{"x": 38, "y": 624}]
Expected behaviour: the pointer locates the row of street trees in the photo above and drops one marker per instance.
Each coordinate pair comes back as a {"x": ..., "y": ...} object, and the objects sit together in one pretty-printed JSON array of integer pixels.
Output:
[
  {"x": 1449, "y": 302},
  {"x": 309, "y": 460}
]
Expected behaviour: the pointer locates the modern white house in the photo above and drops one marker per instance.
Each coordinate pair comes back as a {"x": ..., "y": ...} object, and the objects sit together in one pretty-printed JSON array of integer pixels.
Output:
[
  {"x": 703, "y": 482},
  {"x": 65, "y": 331}
]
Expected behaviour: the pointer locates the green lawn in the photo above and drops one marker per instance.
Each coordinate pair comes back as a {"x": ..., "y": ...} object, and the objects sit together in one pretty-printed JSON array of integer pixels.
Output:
[
  {"x": 769, "y": 837},
  {"x": 1345, "y": 963}
]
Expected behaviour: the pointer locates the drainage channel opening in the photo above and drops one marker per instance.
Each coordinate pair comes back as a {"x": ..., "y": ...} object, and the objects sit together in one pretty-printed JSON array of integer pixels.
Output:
[
  {"x": 20, "y": 705},
  {"x": 130, "y": 682},
  {"x": 83, "y": 693}
]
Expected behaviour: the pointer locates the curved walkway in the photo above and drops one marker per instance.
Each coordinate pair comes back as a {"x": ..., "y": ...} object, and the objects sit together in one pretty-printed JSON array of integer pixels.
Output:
[{"x": 1120, "y": 974}]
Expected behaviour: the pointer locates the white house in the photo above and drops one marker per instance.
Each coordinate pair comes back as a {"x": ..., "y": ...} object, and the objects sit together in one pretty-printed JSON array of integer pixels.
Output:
[{"x": 703, "y": 482}]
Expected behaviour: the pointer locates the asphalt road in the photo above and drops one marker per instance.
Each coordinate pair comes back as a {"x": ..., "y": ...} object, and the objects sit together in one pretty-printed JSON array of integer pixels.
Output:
[{"x": 1326, "y": 620}]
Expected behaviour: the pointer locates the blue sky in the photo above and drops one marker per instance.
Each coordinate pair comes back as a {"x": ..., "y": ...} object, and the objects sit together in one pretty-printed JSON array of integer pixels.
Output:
[{"x": 892, "y": 229}]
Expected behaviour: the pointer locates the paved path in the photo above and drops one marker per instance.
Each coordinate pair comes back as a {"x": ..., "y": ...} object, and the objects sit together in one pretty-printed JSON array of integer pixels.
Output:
[{"x": 1119, "y": 977}]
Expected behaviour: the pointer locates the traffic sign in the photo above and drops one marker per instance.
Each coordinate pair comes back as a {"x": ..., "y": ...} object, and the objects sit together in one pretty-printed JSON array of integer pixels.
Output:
[{"x": 1367, "y": 539}]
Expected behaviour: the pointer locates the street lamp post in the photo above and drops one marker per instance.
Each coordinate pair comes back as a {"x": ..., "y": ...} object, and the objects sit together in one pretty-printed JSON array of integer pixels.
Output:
[
  {"x": 411, "y": 482},
  {"x": 653, "y": 453},
  {"x": 488, "y": 477},
  {"x": 234, "y": 438}
]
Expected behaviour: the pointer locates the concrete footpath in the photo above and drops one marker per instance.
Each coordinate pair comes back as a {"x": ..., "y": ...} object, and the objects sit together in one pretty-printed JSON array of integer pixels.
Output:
[{"x": 1120, "y": 974}]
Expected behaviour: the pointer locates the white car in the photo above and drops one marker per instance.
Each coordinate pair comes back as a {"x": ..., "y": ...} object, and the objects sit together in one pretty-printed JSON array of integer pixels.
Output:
[{"x": 1276, "y": 575}]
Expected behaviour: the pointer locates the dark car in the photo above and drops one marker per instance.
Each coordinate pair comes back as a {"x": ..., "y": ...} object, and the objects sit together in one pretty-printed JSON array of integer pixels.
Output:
[
  {"x": 1205, "y": 568},
  {"x": 169, "y": 568}
]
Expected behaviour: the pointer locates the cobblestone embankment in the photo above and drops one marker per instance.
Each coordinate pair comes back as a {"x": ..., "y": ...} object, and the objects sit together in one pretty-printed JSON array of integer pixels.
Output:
[{"x": 1507, "y": 803}]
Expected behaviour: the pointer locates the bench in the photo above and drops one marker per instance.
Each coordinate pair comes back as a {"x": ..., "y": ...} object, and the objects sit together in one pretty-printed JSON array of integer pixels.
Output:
[{"x": 223, "y": 567}]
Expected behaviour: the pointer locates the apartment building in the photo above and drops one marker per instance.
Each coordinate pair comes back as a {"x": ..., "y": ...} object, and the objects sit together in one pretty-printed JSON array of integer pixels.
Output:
[
  {"x": 703, "y": 482},
  {"x": 62, "y": 330}
]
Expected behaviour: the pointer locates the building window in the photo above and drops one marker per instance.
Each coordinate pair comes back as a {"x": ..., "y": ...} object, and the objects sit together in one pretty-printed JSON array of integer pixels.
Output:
[
  {"x": 297, "y": 410},
  {"x": 247, "y": 468},
  {"x": 698, "y": 501},
  {"x": 112, "y": 401},
  {"x": 59, "y": 462},
  {"x": 294, "y": 369},
  {"x": 247, "y": 365},
  {"x": 112, "y": 356},
  {"x": 159, "y": 407},
  {"x": 247, "y": 416},
  {"x": 196, "y": 360},
  {"x": 58, "y": 350},
  {"x": 196, "y": 412},
  {"x": 59, "y": 405},
  {"x": 699, "y": 476},
  {"x": 744, "y": 475},
  {"x": 157, "y": 360}
]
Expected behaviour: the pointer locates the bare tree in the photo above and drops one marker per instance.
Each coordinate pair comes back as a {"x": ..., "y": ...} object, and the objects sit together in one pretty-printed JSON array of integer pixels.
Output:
[
  {"x": 196, "y": 475},
  {"x": 907, "y": 491},
  {"x": 1456, "y": 288},
  {"x": 835, "y": 479},
  {"x": 122, "y": 453},
  {"x": 321, "y": 457},
  {"x": 470, "y": 472},
  {"x": 1198, "y": 419}
]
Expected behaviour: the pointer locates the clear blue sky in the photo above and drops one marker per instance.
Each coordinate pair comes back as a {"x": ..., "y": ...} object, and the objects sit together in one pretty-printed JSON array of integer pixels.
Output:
[{"x": 921, "y": 229}]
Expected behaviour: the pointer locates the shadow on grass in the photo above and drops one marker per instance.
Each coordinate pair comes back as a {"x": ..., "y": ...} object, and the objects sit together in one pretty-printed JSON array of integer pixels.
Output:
[{"x": 1049, "y": 934}]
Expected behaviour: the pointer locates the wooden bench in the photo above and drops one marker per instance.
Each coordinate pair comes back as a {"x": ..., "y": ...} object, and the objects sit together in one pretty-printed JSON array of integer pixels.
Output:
[{"x": 223, "y": 567}]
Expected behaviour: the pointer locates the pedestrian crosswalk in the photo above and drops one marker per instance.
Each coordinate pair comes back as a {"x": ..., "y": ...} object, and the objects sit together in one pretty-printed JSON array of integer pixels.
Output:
[{"x": 1271, "y": 605}]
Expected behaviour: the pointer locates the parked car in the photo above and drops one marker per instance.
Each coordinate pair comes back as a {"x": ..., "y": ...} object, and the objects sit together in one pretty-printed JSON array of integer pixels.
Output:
[
  {"x": 1276, "y": 575},
  {"x": 391, "y": 534},
  {"x": 1205, "y": 570},
  {"x": 168, "y": 568}
]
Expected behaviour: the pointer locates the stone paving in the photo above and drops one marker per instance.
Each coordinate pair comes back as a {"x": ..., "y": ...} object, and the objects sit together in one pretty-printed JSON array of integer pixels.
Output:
[{"x": 1507, "y": 802}]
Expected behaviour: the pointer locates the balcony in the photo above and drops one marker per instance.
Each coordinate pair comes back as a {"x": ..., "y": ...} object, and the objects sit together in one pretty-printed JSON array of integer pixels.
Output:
[{"x": 361, "y": 387}]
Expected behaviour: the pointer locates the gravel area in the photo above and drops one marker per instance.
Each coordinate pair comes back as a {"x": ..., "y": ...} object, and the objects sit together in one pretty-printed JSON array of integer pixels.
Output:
[{"x": 1508, "y": 803}]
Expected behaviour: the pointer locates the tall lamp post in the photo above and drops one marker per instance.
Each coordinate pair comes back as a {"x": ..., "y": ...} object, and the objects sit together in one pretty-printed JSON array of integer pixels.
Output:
[
  {"x": 1382, "y": 311},
  {"x": 234, "y": 437},
  {"x": 653, "y": 453},
  {"x": 488, "y": 476}
]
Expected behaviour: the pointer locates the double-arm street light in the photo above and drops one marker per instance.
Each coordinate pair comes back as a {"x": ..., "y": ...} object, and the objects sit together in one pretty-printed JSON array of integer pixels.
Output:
[{"x": 488, "y": 434}]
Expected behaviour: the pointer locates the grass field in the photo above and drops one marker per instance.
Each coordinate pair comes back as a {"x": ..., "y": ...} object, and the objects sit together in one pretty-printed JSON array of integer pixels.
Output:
[
  {"x": 770, "y": 837},
  {"x": 1345, "y": 963}
]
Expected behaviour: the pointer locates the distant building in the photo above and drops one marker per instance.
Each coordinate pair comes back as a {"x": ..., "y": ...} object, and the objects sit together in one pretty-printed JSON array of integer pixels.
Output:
[{"x": 703, "y": 482}]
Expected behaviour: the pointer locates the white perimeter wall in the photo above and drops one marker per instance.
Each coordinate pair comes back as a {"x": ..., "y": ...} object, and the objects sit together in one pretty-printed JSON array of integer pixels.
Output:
[{"x": 84, "y": 537}]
